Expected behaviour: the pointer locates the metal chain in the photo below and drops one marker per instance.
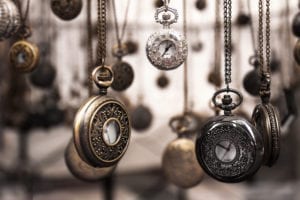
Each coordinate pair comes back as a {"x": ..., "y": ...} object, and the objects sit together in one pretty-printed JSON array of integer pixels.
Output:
[
  {"x": 185, "y": 68},
  {"x": 227, "y": 41},
  {"x": 101, "y": 31},
  {"x": 119, "y": 36},
  {"x": 260, "y": 37},
  {"x": 90, "y": 61},
  {"x": 217, "y": 42},
  {"x": 24, "y": 31},
  {"x": 268, "y": 37}
]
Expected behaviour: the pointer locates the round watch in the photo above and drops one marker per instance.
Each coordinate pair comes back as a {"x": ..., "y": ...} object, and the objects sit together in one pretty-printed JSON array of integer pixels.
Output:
[
  {"x": 81, "y": 169},
  {"x": 265, "y": 118},
  {"x": 101, "y": 126},
  {"x": 123, "y": 75},
  {"x": 66, "y": 9},
  {"x": 166, "y": 49},
  {"x": 24, "y": 56}
]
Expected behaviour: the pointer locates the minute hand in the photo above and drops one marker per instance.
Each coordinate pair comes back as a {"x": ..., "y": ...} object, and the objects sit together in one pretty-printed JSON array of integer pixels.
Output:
[{"x": 167, "y": 49}]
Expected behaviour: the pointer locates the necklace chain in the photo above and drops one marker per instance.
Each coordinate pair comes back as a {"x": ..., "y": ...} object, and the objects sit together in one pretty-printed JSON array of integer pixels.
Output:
[
  {"x": 101, "y": 31},
  {"x": 90, "y": 61},
  {"x": 227, "y": 41}
]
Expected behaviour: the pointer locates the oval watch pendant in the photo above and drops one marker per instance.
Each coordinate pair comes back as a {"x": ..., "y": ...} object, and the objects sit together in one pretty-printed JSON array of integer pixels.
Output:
[
  {"x": 81, "y": 169},
  {"x": 66, "y": 9},
  {"x": 24, "y": 56},
  {"x": 101, "y": 126},
  {"x": 180, "y": 163},
  {"x": 266, "y": 120},
  {"x": 123, "y": 76}
]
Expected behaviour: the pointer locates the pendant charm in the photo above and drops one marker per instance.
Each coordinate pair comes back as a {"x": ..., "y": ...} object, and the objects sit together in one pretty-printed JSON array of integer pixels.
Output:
[
  {"x": 141, "y": 117},
  {"x": 180, "y": 165},
  {"x": 10, "y": 20},
  {"x": 123, "y": 75},
  {"x": 81, "y": 169},
  {"x": 66, "y": 9},
  {"x": 166, "y": 49},
  {"x": 228, "y": 147},
  {"x": 265, "y": 118},
  {"x": 101, "y": 126},
  {"x": 24, "y": 56},
  {"x": 162, "y": 81}
]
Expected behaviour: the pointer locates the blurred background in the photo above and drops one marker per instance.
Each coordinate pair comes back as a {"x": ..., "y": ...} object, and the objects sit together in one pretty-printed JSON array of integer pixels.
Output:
[{"x": 36, "y": 121}]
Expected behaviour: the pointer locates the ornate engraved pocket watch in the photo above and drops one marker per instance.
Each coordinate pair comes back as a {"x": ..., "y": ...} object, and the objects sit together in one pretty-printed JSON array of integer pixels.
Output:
[
  {"x": 66, "y": 9},
  {"x": 166, "y": 49},
  {"x": 228, "y": 147},
  {"x": 265, "y": 117},
  {"x": 101, "y": 126},
  {"x": 10, "y": 19}
]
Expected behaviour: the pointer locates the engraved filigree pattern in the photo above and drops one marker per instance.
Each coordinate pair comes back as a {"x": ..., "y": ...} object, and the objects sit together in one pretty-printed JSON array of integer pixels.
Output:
[
  {"x": 245, "y": 151},
  {"x": 172, "y": 62},
  {"x": 101, "y": 150},
  {"x": 66, "y": 9}
]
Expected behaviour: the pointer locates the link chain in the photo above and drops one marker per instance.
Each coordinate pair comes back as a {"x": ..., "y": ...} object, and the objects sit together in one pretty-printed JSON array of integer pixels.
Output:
[
  {"x": 227, "y": 40},
  {"x": 101, "y": 31}
]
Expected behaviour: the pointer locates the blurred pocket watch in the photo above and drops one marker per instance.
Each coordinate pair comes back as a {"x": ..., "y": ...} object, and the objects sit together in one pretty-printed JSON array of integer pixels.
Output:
[
  {"x": 10, "y": 19},
  {"x": 101, "y": 126},
  {"x": 162, "y": 81},
  {"x": 179, "y": 160},
  {"x": 201, "y": 4},
  {"x": 66, "y": 9},
  {"x": 141, "y": 117},
  {"x": 166, "y": 49},
  {"x": 24, "y": 56},
  {"x": 297, "y": 52},
  {"x": 44, "y": 75},
  {"x": 123, "y": 72},
  {"x": 251, "y": 81},
  {"x": 296, "y": 25},
  {"x": 80, "y": 169}
]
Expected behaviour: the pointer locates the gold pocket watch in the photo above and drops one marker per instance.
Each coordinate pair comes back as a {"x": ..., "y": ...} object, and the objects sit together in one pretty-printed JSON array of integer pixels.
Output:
[
  {"x": 24, "y": 56},
  {"x": 81, "y": 169},
  {"x": 101, "y": 126},
  {"x": 179, "y": 160}
]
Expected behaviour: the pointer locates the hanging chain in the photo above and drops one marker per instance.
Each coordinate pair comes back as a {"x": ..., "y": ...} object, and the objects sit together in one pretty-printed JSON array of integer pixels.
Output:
[
  {"x": 101, "y": 31},
  {"x": 227, "y": 41},
  {"x": 217, "y": 43},
  {"x": 185, "y": 68},
  {"x": 252, "y": 28},
  {"x": 90, "y": 61},
  {"x": 119, "y": 36},
  {"x": 24, "y": 31},
  {"x": 265, "y": 71}
]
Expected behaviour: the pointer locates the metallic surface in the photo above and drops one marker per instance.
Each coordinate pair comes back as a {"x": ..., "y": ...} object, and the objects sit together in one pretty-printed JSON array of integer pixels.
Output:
[
  {"x": 88, "y": 131},
  {"x": 166, "y": 63},
  {"x": 265, "y": 118},
  {"x": 24, "y": 56},
  {"x": 123, "y": 76},
  {"x": 80, "y": 169},
  {"x": 10, "y": 20},
  {"x": 66, "y": 9},
  {"x": 242, "y": 136},
  {"x": 180, "y": 164}
]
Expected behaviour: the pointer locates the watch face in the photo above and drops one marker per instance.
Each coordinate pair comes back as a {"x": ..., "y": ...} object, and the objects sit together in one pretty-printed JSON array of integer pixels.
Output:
[
  {"x": 166, "y": 49},
  {"x": 229, "y": 151}
]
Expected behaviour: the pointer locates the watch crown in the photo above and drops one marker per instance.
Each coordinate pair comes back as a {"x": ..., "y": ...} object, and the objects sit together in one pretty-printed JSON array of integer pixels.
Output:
[{"x": 103, "y": 78}]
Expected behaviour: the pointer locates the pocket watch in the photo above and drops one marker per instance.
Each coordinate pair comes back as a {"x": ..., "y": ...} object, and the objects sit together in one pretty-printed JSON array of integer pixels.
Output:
[
  {"x": 81, "y": 169},
  {"x": 10, "y": 19},
  {"x": 44, "y": 75},
  {"x": 24, "y": 56},
  {"x": 228, "y": 147},
  {"x": 296, "y": 25},
  {"x": 162, "y": 81},
  {"x": 123, "y": 75},
  {"x": 166, "y": 49},
  {"x": 66, "y": 9},
  {"x": 141, "y": 118},
  {"x": 179, "y": 160},
  {"x": 101, "y": 126},
  {"x": 180, "y": 163}
]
